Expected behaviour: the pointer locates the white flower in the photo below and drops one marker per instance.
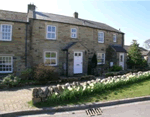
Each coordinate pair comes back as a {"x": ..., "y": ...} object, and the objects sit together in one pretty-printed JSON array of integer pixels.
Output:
[
  {"x": 56, "y": 93},
  {"x": 84, "y": 88},
  {"x": 91, "y": 84},
  {"x": 78, "y": 88},
  {"x": 69, "y": 88}
]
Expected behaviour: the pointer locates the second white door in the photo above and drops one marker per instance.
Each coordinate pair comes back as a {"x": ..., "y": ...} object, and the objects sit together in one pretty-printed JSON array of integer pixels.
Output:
[{"x": 121, "y": 60}]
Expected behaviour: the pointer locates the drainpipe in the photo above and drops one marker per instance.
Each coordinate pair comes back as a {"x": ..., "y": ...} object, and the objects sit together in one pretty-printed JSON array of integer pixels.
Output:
[
  {"x": 67, "y": 63},
  {"x": 26, "y": 45},
  {"x": 122, "y": 40}
]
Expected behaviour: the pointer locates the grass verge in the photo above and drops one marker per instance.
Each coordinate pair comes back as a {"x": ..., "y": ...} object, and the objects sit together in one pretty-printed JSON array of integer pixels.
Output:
[{"x": 135, "y": 87}]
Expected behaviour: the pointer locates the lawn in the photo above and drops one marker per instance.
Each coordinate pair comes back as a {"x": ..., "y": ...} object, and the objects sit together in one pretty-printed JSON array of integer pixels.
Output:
[{"x": 128, "y": 91}]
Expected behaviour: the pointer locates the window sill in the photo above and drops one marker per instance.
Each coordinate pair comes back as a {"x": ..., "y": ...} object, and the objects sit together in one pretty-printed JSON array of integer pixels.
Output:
[
  {"x": 5, "y": 40},
  {"x": 52, "y": 65},
  {"x": 73, "y": 37},
  {"x": 101, "y": 42},
  {"x": 51, "y": 39},
  {"x": 100, "y": 63},
  {"x": 5, "y": 72}
]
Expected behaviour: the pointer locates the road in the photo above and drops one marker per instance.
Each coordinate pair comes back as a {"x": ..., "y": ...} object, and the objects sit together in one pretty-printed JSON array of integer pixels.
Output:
[{"x": 138, "y": 109}]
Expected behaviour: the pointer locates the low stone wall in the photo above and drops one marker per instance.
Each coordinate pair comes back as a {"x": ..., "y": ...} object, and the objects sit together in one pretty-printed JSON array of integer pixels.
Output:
[{"x": 41, "y": 94}]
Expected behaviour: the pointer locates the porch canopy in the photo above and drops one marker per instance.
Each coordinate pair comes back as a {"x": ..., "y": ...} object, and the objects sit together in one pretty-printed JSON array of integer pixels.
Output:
[{"x": 118, "y": 48}]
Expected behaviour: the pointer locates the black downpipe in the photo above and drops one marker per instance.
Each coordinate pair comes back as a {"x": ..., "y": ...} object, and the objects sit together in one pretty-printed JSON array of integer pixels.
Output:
[{"x": 26, "y": 45}]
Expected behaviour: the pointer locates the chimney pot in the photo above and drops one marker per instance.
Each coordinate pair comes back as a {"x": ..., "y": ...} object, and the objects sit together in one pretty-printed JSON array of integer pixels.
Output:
[
  {"x": 31, "y": 7},
  {"x": 75, "y": 14},
  {"x": 134, "y": 40}
]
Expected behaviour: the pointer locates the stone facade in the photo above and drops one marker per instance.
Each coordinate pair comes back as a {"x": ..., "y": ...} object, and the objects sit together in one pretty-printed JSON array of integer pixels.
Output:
[
  {"x": 29, "y": 42},
  {"x": 87, "y": 42},
  {"x": 16, "y": 47}
]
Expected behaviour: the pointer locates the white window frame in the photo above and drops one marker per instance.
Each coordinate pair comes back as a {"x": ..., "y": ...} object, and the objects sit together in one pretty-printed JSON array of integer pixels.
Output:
[
  {"x": 50, "y": 32},
  {"x": 50, "y": 58},
  {"x": 8, "y": 64},
  {"x": 1, "y": 32},
  {"x": 101, "y": 56},
  {"x": 101, "y": 37},
  {"x": 114, "y": 38},
  {"x": 74, "y": 33}
]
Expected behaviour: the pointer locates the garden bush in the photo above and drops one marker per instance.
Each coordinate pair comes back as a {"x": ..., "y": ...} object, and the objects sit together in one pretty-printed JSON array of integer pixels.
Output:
[
  {"x": 115, "y": 68},
  {"x": 27, "y": 74},
  {"x": 109, "y": 74},
  {"x": 44, "y": 73},
  {"x": 11, "y": 80}
]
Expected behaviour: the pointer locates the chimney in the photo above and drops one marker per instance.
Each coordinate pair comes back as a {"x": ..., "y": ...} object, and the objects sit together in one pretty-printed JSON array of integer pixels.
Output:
[
  {"x": 135, "y": 41},
  {"x": 75, "y": 14},
  {"x": 31, "y": 7}
]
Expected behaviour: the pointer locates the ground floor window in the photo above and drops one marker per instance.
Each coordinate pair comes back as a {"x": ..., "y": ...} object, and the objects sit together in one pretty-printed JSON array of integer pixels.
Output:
[
  {"x": 100, "y": 58},
  {"x": 6, "y": 64},
  {"x": 50, "y": 58}
]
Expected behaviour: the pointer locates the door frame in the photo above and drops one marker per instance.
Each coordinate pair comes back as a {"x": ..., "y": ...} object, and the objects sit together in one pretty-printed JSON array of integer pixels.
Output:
[
  {"x": 74, "y": 60},
  {"x": 123, "y": 59}
]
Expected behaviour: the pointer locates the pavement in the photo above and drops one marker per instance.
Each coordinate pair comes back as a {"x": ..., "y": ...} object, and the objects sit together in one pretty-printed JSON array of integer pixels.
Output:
[
  {"x": 15, "y": 99},
  {"x": 137, "y": 109}
]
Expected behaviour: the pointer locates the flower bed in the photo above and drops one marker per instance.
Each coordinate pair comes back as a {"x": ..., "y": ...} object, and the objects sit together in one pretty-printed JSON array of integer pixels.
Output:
[{"x": 75, "y": 90}]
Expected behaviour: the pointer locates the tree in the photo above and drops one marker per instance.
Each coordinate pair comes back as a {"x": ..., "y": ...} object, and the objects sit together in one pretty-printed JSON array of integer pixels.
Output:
[
  {"x": 92, "y": 64},
  {"x": 135, "y": 59},
  {"x": 94, "y": 61}
]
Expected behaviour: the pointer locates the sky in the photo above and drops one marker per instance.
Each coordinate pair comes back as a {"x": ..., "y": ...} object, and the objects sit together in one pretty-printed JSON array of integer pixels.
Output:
[{"x": 132, "y": 17}]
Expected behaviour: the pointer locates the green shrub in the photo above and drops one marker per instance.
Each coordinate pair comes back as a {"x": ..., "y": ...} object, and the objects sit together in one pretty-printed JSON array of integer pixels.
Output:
[
  {"x": 115, "y": 68},
  {"x": 44, "y": 73},
  {"x": 109, "y": 74},
  {"x": 27, "y": 74},
  {"x": 11, "y": 80}
]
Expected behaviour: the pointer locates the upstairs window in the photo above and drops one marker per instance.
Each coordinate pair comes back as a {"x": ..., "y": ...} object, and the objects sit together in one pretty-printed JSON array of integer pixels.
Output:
[
  {"x": 51, "y": 32},
  {"x": 50, "y": 58},
  {"x": 6, "y": 64},
  {"x": 100, "y": 58},
  {"x": 6, "y": 32},
  {"x": 73, "y": 33},
  {"x": 101, "y": 37},
  {"x": 114, "y": 38}
]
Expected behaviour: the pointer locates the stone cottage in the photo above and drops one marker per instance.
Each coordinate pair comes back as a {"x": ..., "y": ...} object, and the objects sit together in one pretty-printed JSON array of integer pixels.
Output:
[{"x": 67, "y": 43}]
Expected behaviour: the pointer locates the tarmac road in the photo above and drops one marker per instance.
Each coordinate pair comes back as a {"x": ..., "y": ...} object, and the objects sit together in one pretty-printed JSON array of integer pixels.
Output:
[{"x": 138, "y": 109}]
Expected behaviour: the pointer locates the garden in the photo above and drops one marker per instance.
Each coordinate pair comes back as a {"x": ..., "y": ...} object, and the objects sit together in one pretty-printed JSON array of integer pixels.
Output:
[{"x": 117, "y": 87}]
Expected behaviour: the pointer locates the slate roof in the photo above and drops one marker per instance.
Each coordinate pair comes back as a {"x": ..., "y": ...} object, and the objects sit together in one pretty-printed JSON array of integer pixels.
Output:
[
  {"x": 13, "y": 16},
  {"x": 18, "y": 16},
  {"x": 143, "y": 51},
  {"x": 118, "y": 48},
  {"x": 70, "y": 44},
  {"x": 70, "y": 20},
  {"x": 127, "y": 47}
]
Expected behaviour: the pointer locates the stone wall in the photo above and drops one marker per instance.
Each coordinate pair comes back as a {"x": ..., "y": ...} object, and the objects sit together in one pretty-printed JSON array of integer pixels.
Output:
[{"x": 42, "y": 94}]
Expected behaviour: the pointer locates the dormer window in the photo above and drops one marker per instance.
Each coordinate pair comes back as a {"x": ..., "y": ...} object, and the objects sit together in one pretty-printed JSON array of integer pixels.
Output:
[
  {"x": 6, "y": 32},
  {"x": 114, "y": 38},
  {"x": 73, "y": 33}
]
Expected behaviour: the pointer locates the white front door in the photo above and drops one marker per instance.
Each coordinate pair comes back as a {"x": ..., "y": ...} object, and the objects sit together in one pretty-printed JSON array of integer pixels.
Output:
[
  {"x": 121, "y": 60},
  {"x": 78, "y": 60}
]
